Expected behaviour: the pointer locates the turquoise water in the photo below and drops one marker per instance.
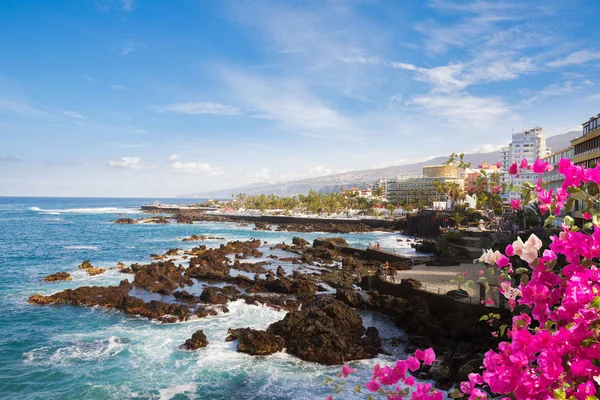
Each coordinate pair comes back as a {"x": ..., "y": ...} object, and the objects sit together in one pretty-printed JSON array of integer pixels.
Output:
[{"x": 67, "y": 352}]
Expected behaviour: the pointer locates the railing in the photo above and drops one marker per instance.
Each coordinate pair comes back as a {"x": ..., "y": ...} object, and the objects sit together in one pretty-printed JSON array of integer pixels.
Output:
[{"x": 436, "y": 290}]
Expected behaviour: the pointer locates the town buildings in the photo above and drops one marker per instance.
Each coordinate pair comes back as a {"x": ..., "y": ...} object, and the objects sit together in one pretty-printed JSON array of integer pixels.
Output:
[
  {"x": 587, "y": 147},
  {"x": 530, "y": 145},
  {"x": 422, "y": 189}
]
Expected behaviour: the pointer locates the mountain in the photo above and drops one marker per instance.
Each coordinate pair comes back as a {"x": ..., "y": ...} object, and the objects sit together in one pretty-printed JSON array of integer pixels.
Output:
[{"x": 330, "y": 183}]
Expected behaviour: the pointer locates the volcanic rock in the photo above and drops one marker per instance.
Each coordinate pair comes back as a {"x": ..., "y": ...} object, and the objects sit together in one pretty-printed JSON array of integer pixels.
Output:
[
  {"x": 325, "y": 331},
  {"x": 298, "y": 241},
  {"x": 255, "y": 342},
  {"x": 59, "y": 276},
  {"x": 213, "y": 295},
  {"x": 197, "y": 341},
  {"x": 160, "y": 277}
]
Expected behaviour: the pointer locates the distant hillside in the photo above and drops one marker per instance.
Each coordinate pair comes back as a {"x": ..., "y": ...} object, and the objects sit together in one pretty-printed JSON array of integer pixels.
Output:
[{"x": 330, "y": 183}]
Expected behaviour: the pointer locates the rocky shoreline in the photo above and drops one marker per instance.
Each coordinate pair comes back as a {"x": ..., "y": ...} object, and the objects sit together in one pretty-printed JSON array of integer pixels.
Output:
[{"x": 321, "y": 328}]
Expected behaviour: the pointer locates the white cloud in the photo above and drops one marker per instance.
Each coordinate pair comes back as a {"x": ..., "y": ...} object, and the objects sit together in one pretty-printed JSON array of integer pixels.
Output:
[
  {"x": 129, "y": 163},
  {"x": 260, "y": 175},
  {"x": 200, "y": 108},
  {"x": 195, "y": 168},
  {"x": 312, "y": 172},
  {"x": 576, "y": 58},
  {"x": 464, "y": 108},
  {"x": 291, "y": 106},
  {"x": 73, "y": 114}
]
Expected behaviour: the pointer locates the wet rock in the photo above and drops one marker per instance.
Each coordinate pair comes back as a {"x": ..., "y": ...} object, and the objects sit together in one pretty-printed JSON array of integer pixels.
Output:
[
  {"x": 86, "y": 264},
  {"x": 330, "y": 243},
  {"x": 160, "y": 277},
  {"x": 90, "y": 269},
  {"x": 440, "y": 372},
  {"x": 185, "y": 296},
  {"x": 172, "y": 252},
  {"x": 123, "y": 221},
  {"x": 261, "y": 226},
  {"x": 194, "y": 238},
  {"x": 59, "y": 276},
  {"x": 325, "y": 331},
  {"x": 213, "y": 295},
  {"x": 280, "y": 272},
  {"x": 255, "y": 342},
  {"x": 299, "y": 242},
  {"x": 471, "y": 367},
  {"x": 230, "y": 290},
  {"x": 197, "y": 341}
]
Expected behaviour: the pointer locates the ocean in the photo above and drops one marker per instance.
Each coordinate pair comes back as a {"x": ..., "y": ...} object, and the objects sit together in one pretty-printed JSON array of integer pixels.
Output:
[{"x": 68, "y": 352}]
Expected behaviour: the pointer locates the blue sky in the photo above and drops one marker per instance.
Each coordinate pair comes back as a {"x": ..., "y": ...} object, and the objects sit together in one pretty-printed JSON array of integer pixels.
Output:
[{"x": 159, "y": 98}]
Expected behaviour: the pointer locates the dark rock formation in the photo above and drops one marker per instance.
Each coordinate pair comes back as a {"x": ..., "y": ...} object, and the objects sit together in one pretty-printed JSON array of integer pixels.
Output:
[
  {"x": 90, "y": 269},
  {"x": 213, "y": 295},
  {"x": 160, "y": 277},
  {"x": 330, "y": 243},
  {"x": 254, "y": 342},
  {"x": 59, "y": 276},
  {"x": 115, "y": 297},
  {"x": 186, "y": 297},
  {"x": 197, "y": 341},
  {"x": 123, "y": 221},
  {"x": 325, "y": 331},
  {"x": 299, "y": 242}
]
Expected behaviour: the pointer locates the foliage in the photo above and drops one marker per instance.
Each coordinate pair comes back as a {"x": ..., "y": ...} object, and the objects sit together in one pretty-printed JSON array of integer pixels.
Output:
[{"x": 315, "y": 203}]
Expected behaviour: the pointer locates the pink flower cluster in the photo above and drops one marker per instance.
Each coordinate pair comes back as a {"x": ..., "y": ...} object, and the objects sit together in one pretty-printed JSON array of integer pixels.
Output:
[
  {"x": 388, "y": 376},
  {"x": 553, "y": 350},
  {"x": 557, "y": 353}
]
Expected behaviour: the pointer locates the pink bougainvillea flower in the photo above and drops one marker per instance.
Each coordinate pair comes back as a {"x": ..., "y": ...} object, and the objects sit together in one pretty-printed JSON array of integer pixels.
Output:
[
  {"x": 503, "y": 261},
  {"x": 495, "y": 189},
  {"x": 513, "y": 169},
  {"x": 524, "y": 164},
  {"x": 412, "y": 363},
  {"x": 372, "y": 386},
  {"x": 346, "y": 370},
  {"x": 489, "y": 302},
  {"x": 516, "y": 204},
  {"x": 427, "y": 356},
  {"x": 587, "y": 215},
  {"x": 498, "y": 165},
  {"x": 541, "y": 166}
]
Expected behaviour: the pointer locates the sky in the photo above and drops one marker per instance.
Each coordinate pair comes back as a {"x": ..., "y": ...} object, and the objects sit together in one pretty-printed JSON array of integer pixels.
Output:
[{"x": 145, "y": 98}]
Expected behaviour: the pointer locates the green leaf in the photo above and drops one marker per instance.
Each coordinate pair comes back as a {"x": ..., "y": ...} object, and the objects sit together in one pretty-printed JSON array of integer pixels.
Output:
[
  {"x": 482, "y": 279},
  {"x": 497, "y": 316},
  {"x": 522, "y": 270},
  {"x": 573, "y": 189},
  {"x": 503, "y": 329},
  {"x": 595, "y": 303},
  {"x": 560, "y": 394},
  {"x": 596, "y": 219},
  {"x": 455, "y": 394},
  {"x": 484, "y": 318},
  {"x": 549, "y": 220},
  {"x": 524, "y": 279}
]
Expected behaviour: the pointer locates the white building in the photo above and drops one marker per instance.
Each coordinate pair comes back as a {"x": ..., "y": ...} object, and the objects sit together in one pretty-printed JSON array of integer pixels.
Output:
[
  {"x": 381, "y": 183},
  {"x": 528, "y": 144}
]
